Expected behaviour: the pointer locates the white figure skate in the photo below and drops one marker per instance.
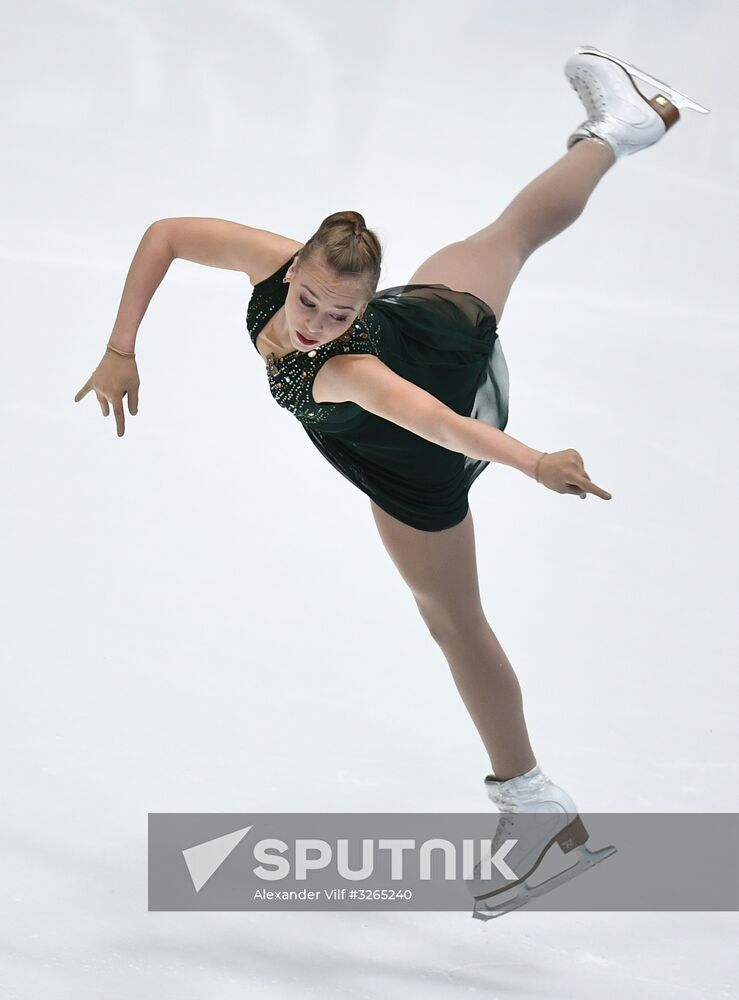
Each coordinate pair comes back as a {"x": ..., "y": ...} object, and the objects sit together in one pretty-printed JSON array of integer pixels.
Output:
[
  {"x": 532, "y": 792},
  {"x": 618, "y": 113}
]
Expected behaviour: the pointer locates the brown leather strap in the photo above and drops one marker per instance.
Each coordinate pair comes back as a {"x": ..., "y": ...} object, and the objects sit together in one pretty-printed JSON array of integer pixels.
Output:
[{"x": 665, "y": 109}]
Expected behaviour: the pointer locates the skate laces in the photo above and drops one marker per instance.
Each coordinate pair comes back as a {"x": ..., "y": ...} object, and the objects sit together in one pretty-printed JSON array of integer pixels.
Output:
[
  {"x": 590, "y": 93},
  {"x": 509, "y": 802},
  {"x": 505, "y": 824},
  {"x": 518, "y": 797}
]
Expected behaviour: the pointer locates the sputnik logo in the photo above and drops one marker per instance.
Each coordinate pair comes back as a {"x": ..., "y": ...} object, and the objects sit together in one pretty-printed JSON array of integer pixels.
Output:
[{"x": 203, "y": 860}]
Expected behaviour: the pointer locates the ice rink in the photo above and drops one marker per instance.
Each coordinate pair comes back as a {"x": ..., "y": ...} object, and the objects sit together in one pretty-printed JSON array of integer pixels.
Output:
[{"x": 201, "y": 617}]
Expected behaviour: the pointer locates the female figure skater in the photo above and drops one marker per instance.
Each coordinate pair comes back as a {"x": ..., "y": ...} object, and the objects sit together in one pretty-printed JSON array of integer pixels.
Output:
[{"x": 405, "y": 392}]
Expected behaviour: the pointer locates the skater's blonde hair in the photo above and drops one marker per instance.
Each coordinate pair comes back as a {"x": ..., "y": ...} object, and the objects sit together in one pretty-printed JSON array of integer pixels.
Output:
[{"x": 344, "y": 245}]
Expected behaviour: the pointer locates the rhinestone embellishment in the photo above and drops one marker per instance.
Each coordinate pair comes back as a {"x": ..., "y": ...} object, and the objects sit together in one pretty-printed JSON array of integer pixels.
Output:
[{"x": 291, "y": 376}]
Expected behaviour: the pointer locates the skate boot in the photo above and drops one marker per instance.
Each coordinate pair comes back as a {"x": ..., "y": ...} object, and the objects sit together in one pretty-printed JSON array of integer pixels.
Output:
[
  {"x": 619, "y": 114},
  {"x": 523, "y": 841}
]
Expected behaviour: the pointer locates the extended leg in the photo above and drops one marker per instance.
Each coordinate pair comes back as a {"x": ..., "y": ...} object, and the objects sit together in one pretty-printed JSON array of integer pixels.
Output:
[
  {"x": 487, "y": 262},
  {"x": 441, "y": 570},
  {"x": 556, "y": 198}
]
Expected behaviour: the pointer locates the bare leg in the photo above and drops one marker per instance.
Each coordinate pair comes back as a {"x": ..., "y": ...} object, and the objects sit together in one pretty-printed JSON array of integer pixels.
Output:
[
  {"x": 440, "y": 567},
  {"x": 556, "y": 198},
  {"x": 487, "y": 262}
]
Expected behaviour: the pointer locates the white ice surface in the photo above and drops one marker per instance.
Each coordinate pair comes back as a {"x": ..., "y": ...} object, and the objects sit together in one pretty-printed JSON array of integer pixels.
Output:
[{"x": 200, "y": 616}]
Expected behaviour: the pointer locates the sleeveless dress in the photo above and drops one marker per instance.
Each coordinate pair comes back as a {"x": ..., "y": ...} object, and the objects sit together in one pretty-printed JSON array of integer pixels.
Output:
[{"x": 444, "y": 341}]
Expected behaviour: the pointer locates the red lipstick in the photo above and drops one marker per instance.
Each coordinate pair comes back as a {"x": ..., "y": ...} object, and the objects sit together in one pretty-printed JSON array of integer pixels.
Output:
[{"x": 304, "y": 340}]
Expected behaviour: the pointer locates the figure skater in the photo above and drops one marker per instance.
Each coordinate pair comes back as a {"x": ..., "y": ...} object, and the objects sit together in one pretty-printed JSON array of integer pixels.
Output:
[{"x": 405, "y": 392}]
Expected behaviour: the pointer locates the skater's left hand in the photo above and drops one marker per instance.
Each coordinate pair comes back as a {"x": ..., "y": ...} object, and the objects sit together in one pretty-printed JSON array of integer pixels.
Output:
[{"x": 564, "y": 472}]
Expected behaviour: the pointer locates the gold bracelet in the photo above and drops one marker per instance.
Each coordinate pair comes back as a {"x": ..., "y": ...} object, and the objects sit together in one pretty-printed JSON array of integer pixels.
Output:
[
  {"x": 123, "y": 354},
  {"x": 536, "y": 468}
]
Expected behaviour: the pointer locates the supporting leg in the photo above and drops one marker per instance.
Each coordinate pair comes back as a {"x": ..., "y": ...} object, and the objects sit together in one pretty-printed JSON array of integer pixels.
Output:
[
  {"x": 441, "y": 570},
  {"x": 488, "y": 685}
]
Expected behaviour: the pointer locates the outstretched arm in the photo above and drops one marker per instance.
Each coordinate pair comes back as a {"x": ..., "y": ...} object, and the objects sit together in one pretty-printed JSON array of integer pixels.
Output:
[
  {"x": 213, "y": 242},
  {"x": 365, "y": 380}
]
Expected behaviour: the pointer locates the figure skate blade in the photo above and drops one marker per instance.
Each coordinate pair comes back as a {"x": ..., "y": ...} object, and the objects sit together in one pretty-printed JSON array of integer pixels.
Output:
[
  {"x": 678, "y": 99},
  {"x": 487, "y": 909}
]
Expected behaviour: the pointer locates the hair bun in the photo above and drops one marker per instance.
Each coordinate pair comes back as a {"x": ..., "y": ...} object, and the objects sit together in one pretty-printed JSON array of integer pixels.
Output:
[{"x": 347, "y": 247}]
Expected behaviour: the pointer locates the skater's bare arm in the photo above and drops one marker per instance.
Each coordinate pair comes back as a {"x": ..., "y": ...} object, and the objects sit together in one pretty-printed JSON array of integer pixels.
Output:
[
  {"x": 213, "y": 242},
  {"x": 231, "y": 245},
  {"x": 116, "y": 375},
  {"x": 149, "y": 265},
  {"x": 365, "y": 380},
  {"x": 561, "y": 471}
]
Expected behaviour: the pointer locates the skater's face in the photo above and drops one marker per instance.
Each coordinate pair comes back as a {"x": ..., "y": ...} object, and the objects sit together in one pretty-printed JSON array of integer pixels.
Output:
[{"x": 319, "y": 305}]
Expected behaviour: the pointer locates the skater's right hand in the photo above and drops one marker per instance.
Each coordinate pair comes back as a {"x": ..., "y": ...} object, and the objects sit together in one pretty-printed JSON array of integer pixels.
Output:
[
  {"x": 564, "y": 472},
  {"x": 114, "y": 378}
]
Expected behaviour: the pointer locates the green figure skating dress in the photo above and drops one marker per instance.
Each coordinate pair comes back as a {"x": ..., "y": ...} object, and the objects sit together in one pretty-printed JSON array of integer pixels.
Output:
[{"x": 442, "y": 340}]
